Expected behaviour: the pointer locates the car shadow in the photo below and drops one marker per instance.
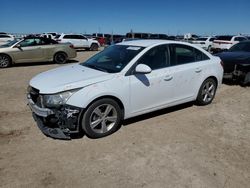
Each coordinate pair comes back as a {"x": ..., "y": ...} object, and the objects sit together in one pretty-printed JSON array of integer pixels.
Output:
[
  {"x": 150, "y": 115},
  {"x": 231, "y": 82},
  {"x": 41, "y": 63}
]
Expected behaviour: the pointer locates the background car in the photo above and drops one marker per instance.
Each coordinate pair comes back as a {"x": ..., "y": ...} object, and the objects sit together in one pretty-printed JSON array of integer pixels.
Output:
[
  {"x": 5, "y": 38},
  {"x": 204, "y": 42},
  {"x": 35, "y": 49},
  {"x": 225, "y": 42},
  {"x": 79, "y": 41},
  {"x": 236, "y": 62},
  {"x": 122, "y": 81}
]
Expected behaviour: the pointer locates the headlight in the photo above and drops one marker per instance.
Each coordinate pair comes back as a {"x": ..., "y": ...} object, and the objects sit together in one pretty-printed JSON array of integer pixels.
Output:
[{"x": 58, "y": 99}]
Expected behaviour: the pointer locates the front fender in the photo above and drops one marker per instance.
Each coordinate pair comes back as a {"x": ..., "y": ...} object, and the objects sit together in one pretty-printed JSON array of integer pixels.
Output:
[{"x": 88, "y": 94}]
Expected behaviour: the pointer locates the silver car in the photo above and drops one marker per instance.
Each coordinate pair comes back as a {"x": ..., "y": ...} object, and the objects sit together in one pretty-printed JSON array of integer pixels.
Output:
[{"x": 35, "y": 49}]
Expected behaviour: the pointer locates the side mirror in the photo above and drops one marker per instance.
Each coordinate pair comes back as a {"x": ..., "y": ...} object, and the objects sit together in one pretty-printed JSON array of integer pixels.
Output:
[{"x": 143, "y": 69}]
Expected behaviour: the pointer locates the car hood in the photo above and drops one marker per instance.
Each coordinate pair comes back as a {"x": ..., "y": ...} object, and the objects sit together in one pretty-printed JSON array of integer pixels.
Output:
[
  {"x": 68, "y": 78},
  {"x": 4, "y": 48},
  {"x": 233, "y": 56}
]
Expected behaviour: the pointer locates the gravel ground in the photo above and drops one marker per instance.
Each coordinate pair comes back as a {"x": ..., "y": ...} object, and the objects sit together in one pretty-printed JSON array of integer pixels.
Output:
[{"x": 184, "y": 146}]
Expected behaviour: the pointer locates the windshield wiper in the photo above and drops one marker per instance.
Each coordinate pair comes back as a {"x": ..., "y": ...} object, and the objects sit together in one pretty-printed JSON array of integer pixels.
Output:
[{"x": 95, "y": 67}]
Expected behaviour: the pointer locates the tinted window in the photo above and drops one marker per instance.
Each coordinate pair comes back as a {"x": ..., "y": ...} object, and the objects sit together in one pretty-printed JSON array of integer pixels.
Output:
[
  {"x": 182, "y": 54},
  {"x": 228, "y": 38},
  {"x": 70, "y": 37},
  {"x": 239, "y": 39},
  {"x": 212, "y": 39},
  {"x": 202, "y": 39},
  {"x": 46, "y": 41},
  {"x": 155, "y": 58},
  {"x": 4, "y": 36}
]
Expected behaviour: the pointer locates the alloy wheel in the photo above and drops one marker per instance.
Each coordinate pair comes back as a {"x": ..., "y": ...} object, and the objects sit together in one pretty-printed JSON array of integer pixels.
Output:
[
  {"x": 103, "y": 118},
  {"x": 208, "y": 91}
]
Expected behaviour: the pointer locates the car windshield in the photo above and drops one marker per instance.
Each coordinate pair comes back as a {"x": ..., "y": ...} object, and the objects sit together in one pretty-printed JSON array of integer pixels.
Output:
[
  {"x": 113, "y": 59},
  {"x": 9, "y": 44},
  {"x": 244, "y": 46}
]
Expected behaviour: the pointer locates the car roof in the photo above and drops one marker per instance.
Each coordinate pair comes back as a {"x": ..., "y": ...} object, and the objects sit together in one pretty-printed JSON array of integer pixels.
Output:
[{"x": 149, "y": 42}]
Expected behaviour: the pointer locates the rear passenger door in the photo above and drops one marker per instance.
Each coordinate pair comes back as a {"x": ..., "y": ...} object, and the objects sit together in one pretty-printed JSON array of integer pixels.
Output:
[{"x": 186, "y": 67}]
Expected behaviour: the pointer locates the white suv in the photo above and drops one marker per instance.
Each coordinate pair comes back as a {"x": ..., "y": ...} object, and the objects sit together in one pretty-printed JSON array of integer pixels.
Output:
[
  {"x": 225, "y": 42},
  {"x": 79, "y": 41},
  {"x": 204, "y": 42},
  {"x": 122, "y": 81}
]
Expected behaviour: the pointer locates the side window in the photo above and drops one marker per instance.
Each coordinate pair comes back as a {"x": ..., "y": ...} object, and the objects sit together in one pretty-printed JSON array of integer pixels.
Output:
[
  {"x": 4, "y": 36},
  {"x": 156, "y": 57},
  {"x": 81, "y": 37},
  {"x": 68, "y": 37},
  {"x": 211, "y": 39},
  {"x": 239, "y": 39},
  {"x": 182, "y": 54},
  {"x": 30, "y": 42}
]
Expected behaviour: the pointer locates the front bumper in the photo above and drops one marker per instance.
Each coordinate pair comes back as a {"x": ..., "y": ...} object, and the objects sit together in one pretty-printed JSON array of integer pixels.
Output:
[{"x": 57, "y": 123}]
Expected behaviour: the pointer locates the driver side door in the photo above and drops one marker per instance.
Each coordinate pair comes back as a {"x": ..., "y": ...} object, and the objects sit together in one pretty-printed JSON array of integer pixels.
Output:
[
  {"x": 28, "y": 50},
  {"x": 153, "y": 90}
]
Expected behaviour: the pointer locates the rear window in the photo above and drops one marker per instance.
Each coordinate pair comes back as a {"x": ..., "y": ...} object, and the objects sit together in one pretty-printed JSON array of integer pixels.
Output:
[{"x": 228, "y": 38}]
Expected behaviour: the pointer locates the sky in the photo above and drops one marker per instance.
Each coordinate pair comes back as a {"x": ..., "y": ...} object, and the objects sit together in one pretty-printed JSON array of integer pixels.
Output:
[{"x": 171, "y": 17}]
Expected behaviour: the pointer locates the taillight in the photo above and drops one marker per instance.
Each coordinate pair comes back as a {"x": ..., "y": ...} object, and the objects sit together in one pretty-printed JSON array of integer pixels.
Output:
[{"x": 71, "y": 46}]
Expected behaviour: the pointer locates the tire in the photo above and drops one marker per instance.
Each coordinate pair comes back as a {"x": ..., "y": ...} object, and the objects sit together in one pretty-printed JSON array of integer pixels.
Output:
[
  {"x": 206, "y": 92},
  {"x": 101, "y": 118},
  {"x": 60, "y": 58},
  {"x": 5, "y": 61},
  {"x": 94, "y": 47}
]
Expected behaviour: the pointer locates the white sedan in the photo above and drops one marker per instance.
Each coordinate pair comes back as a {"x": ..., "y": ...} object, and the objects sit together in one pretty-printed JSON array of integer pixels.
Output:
[
  {"x": 204, "y": 42},
  {"x": 122, "y": 81}
]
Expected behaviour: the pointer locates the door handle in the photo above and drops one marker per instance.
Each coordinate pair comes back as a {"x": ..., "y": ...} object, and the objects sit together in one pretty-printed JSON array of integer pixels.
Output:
[
  {"x": 168, "y": 78},
  {"x": 197, "y": 70}
]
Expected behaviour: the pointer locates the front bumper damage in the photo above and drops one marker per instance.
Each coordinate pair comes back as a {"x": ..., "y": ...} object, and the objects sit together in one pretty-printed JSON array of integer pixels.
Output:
[{"x": 58, "y": 123}]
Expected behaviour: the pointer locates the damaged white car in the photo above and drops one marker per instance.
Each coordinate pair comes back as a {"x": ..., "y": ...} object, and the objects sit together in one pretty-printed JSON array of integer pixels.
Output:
[{"x": 123, "y": 81}]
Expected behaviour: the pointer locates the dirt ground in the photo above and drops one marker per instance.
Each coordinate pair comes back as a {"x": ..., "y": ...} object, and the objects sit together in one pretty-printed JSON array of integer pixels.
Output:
[{"x": 184, "y": 146}]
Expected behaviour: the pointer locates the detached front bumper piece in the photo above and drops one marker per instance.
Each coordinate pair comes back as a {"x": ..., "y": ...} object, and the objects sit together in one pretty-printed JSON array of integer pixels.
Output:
[
  {"x": 56, "y": 123},
  {"x": 56, "y": 133}
]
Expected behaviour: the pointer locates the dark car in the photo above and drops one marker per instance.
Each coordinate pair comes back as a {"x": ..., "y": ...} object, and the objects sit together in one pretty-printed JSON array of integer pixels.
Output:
[{"x": 237, "y": 62}]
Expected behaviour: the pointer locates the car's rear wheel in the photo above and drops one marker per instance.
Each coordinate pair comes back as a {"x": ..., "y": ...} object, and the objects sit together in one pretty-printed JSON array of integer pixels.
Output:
[
  {"x": 60, "y": 57},
  {"x": 5, "y": 61},
  {"x": 207, "y": 92},
  {"x": 94, "y": 47},
  {"x": 102, "y": 118}
]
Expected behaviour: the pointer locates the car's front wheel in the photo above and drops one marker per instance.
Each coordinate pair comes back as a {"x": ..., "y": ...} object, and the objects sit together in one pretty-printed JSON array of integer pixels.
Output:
[
  {"x": 5, "y": 61},
  {"x": 102, "y": 118},
  {"x": 60, "y": 58},
  {"x": 207, "y": 92}
]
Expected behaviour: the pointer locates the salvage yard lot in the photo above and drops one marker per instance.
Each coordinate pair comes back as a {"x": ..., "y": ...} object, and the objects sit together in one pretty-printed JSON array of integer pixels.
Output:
[{"x": 184, "y": 146}]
